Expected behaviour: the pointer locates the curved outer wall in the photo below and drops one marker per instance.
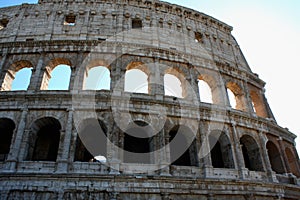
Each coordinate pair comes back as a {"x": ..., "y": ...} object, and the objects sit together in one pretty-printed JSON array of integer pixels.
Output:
[{"x": 259, "y": 159}]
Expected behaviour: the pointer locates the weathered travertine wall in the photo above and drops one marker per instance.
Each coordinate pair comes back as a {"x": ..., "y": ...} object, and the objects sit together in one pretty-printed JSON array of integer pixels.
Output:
[{"x": 231, "y": 153}]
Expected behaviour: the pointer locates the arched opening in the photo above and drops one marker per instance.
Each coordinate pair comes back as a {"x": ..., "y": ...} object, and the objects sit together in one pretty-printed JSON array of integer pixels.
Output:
[
  {"x": 292, "y": 162},
  {"x": 7, "y": 127},
  {"x": 136, "y": 81},
  {"x": 231, "y": 97},
  {"x": 138, "y": 143},
  {"x": 97, "y": 78},
  {"x": 258, "y": 105},
  {"x": 236, "y": 96},
  {"x": 204, "y": 92},
  {"x": 172, "y": 86},
  {"x": 221, "y": 152},
  {"x": 183, "y": 151},
  {"x": 275, "y": 158},
  {"x": 60, "y": 78},
  {"x": 251, "y": 153},
  {"x": 17, "y": 76},
  {"x": 57, "y": 75},
  {"x": 91, "y": 141},
  {"x": 22, "y": 79},
  {"x": 44, "y": 139},
  {"x": 81, "y": 153}
]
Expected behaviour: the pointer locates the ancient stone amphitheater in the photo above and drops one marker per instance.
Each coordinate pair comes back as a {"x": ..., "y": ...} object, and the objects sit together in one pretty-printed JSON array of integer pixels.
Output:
[{"x": 165, "y": 139}]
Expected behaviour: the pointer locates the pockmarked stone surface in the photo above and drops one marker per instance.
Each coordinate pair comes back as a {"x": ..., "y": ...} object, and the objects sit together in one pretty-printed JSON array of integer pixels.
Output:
[{"x": 152, "y": 101}]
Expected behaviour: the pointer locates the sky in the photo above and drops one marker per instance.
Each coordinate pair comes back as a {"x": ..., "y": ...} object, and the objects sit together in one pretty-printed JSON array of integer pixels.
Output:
[{"x": 268, "y": 33}]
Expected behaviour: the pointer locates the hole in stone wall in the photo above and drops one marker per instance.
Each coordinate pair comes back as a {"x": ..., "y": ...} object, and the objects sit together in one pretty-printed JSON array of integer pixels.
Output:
[
  {"x": 70, "y": 20},
  {"x": 3, "y": 23},
  {"x": 198, "y": 37},
  {"x": 137, "y": 23}
]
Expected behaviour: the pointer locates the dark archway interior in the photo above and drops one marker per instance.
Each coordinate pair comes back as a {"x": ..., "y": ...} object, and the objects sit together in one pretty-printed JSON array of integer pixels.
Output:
[
  {"x": 7, "y": 127},
  {"x": 183, "y": 151},
  {"x": 91, "y": 140},
  {"x": 216, "y": 156},
  {"x": 221, "y": 152},
  {"x": 46, "y": 145},
  {"x": 251, "y": 153},
  {"x": 138, "y": 143},
  {"x": 275, "y": 158},
  {"x": 44, "y": 139},
  {"x": 292, "y": 160},
  {"x": 246, "y": 157}
]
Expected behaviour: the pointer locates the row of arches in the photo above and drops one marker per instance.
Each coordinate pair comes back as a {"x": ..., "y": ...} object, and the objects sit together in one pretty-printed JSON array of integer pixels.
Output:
[
  {"x": 45, "y": 133},
  {"x": 97, "y": 76}
]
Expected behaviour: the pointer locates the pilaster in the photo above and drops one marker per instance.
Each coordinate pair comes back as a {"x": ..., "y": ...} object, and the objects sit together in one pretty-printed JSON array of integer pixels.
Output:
[
  {"x": 266, "y": 160},
  {"x": 62, "y": 161},
  {"x": 37, "y": 74},
  {"x": 14, "y": 154}
]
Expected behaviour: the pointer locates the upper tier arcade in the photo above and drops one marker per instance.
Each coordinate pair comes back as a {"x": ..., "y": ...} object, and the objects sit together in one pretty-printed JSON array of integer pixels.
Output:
[{"x": 178, "y": 114}]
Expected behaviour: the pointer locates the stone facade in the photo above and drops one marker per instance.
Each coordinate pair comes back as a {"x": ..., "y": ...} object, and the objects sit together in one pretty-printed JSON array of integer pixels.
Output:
[{"x": 228, "y": 153}]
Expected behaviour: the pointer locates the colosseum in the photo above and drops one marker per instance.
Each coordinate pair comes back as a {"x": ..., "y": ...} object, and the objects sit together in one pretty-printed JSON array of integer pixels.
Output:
[{"x": 158, "y": 102}]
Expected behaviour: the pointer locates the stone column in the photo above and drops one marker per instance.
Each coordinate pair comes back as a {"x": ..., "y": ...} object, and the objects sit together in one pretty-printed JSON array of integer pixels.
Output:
[
  {"x": 78, "y": 74},
  {"x": 158, "y": 81},
  {"x": 265, "y": 157},
  {"x": 248, "y": 99},
  {"x": 154, "y": 78},
  {"x": 113, "y": 152},
  {"x": 220, "y": 89},
  {"x": 193, "y": 89},
  {"x": 117, "y": 74},
  {"x": 165, "y": 154},
  {"x": 198, "y": 145},
  {"x": 204, "y": 152},
  {"x": 282, "y": 155},
  {"x": 3, "y": 71},
  {"x": 2, "y": 62},
  {"x": 13, "y": 156},
  {"x": 62, "y": 162},
  {"x": 37, "y": 74},
  {"x": 238, "y": 152},
  {"x": 73, "y": 77}
]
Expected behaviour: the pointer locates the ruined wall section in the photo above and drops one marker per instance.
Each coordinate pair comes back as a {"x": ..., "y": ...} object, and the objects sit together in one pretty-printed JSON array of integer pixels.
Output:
[{"x": 100, "y": 20}]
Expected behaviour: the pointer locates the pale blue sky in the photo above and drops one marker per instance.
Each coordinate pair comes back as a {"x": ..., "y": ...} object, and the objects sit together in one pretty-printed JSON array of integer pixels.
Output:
[{"x": 268, "y": 33}]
